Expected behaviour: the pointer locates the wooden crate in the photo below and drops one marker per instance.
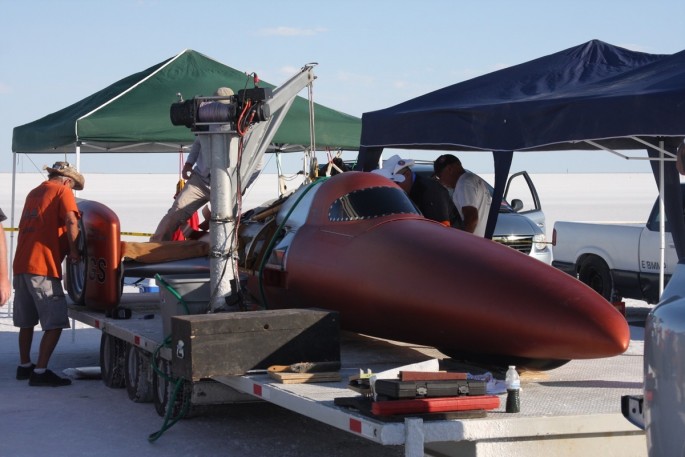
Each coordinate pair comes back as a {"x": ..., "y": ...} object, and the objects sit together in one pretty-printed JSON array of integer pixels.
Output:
[{"x": 230, "y": 344}]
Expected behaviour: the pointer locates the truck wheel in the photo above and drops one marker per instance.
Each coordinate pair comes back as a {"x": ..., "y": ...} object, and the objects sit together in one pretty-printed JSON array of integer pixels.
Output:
[
  {"x": 138, "y": 375},
  {"x": 595, "y": 273},
  {"x": 112, "y": 355},
  {"x": 76, "y": 272}
]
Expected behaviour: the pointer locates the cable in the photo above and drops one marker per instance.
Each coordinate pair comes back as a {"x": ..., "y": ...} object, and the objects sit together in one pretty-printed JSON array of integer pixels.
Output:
[
  {"x": 239, "y": 213},
  {"x": 240, "y": 125},
  {"x": 173, "y": 292},
  {"x": 272, "y": 242},
  {"x": 312, "y": 126}
]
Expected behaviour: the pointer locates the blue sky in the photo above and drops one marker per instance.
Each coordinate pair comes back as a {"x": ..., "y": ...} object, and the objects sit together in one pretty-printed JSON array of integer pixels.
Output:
[{"x": 371, "y": 54}]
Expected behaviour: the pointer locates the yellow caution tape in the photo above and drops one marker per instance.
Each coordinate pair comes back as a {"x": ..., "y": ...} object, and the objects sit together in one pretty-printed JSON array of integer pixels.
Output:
[
  {"x": 136, "y": 234},
  {"x": 13, "y": 229}
]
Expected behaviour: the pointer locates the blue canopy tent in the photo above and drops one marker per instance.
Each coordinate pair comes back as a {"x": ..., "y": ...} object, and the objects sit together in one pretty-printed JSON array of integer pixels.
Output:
[{"x": 592, "y": 96}]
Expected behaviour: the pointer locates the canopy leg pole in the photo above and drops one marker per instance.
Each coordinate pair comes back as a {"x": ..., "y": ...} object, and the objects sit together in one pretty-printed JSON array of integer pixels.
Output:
[
  {"x": 10, "y": 254},
  {"x": 502, "y": 166},
  {"x": 78, "y": 155},
  {"x": 662, "y": 221}
]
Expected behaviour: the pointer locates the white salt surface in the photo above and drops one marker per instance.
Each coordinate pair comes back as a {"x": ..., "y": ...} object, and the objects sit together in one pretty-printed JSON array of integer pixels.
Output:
[
  {"x": 89, "y": 419},
  {"x": 140, "y": 200}
]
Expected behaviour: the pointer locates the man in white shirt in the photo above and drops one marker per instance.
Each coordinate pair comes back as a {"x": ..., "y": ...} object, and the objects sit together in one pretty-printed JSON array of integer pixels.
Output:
[
  {"x": 470, "y": 192},
  {"x": 195, "y": 192}
]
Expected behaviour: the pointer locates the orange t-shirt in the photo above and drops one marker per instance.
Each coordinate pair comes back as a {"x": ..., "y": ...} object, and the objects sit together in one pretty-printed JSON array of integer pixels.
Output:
[{"x": 42, "y": 243}]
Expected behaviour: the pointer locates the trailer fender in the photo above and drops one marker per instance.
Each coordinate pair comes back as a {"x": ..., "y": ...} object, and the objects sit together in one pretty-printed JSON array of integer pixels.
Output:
[{"x": 95, "y": 282}]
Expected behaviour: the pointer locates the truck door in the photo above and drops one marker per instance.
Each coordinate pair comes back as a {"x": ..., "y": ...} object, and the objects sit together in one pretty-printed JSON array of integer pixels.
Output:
[
  {"x": 520, "y": 188},
  {"x": 649, "y": 252}
]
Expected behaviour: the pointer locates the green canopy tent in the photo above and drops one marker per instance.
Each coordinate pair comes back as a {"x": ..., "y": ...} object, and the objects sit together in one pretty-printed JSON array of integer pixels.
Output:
[{"x": 132, "y": 115}]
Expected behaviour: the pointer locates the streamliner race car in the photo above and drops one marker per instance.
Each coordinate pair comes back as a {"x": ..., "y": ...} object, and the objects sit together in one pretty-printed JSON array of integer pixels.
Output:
[{"x": 354, "y": 243}]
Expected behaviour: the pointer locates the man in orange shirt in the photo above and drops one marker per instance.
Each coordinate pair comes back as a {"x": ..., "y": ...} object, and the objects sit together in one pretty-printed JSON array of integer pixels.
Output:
[{"x": 48, "y": 229}]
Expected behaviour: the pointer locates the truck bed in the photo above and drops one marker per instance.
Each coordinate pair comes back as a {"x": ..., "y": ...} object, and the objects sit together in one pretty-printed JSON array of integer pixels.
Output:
[
  {"x": 618, "y": 260},
  {"x": 617, "y": 242}
]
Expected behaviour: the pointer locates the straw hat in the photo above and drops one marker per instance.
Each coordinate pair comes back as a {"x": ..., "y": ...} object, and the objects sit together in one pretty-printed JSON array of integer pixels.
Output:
[{"x": 66, "y": 170}]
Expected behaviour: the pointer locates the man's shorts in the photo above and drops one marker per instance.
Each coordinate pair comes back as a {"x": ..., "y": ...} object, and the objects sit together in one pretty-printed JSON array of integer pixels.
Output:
[{"x": 39, "y": 299}]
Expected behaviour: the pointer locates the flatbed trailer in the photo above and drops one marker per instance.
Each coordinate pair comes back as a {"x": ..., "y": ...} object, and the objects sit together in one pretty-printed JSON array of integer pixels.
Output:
[{"x": 569, "y": 411}]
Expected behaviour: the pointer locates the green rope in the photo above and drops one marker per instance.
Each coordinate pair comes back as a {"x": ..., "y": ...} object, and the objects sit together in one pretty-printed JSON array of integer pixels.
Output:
[
  {"x": 173, "y": 291},
  {"x": 169, "y": 420},
  {"x": 273, "y": 240},
  {"x": 155, "y": 356}
]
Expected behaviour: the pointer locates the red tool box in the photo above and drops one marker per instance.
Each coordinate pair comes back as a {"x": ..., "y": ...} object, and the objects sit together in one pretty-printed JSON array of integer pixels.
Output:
[{"x": 435, "y": 405}]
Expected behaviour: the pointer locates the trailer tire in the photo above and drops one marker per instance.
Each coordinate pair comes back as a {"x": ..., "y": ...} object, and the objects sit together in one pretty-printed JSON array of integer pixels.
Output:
[
  {"x": 595, "y": 273},
  {"x": 112, "y": 357},
  {"x": 162, "y": 389},
  {"x": 138, "y": 375}
]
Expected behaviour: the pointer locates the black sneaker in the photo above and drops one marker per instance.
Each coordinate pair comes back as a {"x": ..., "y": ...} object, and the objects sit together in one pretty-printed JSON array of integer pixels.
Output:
[
  {"x": 23, "y": 373},
  {"x": 48, "y": 379}
]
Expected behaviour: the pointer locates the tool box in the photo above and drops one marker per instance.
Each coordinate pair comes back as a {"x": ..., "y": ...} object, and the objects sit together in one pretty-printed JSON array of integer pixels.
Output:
[
  {"x": 435, "y": 405},
  {"x": 431, "y": 375},
  {"x": 396, "y": 389}
]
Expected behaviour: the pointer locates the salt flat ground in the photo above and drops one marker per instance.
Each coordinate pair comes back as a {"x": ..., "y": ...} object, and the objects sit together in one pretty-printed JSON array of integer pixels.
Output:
[
  {"x": 89, "y": 419},
  {"x": 140, "y": 200}
]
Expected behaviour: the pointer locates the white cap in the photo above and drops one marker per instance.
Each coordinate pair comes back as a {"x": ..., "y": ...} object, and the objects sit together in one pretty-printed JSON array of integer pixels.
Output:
[{"x": 393, "y": 165}]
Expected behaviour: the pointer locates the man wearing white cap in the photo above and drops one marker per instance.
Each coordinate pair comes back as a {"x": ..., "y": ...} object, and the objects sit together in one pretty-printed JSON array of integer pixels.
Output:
[
  {"x": 48, "y": 230},
  {"x": 428, "y": 195},
  {"x": 195, "y": 192}
]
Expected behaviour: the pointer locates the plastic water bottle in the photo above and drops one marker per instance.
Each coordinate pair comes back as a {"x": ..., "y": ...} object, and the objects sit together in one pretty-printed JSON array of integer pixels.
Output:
[{"x": 513, "y": 383}]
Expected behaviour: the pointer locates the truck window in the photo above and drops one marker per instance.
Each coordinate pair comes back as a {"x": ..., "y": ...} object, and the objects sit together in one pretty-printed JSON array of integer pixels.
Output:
[{"x": 655, "y": 218}]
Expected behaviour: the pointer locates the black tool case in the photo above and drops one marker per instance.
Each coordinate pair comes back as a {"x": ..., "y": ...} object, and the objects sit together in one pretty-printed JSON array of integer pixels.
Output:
[{"x": 396, "y": 389}]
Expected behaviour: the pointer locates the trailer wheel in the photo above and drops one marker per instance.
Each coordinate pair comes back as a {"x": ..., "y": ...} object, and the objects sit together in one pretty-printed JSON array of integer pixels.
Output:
[
  {"x": 112, "y": 357},
  {"x": 76, "y": 272},
  {"x": 595, "y": 273},
  {"x": 138, "y": 374},
  {"x": 163, "y": 387}
]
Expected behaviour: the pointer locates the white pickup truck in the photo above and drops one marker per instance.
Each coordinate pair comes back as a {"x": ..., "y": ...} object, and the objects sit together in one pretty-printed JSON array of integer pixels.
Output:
[{"x": 618, "y": 261}]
